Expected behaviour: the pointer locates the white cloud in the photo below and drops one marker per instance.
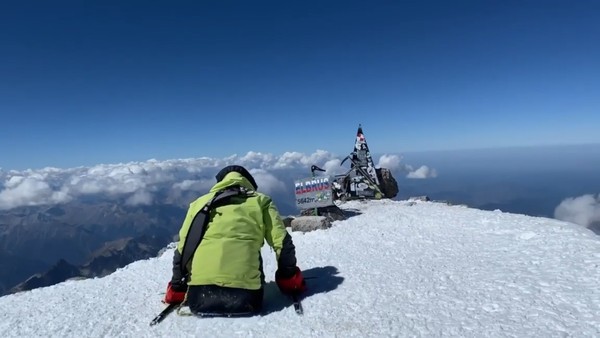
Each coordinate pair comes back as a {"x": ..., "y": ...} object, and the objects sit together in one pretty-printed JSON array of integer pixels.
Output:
[
  {"x": 171, "y": 181},
  {"x": 141, "y": 197},
  {"x": 188, "y": 185},
  {"x": 296, "y": 159},
  {"x": 14, "y": 181},
  {"x": 583, "y": 210},
  {"x": 422, "y": 173},
  {"x": 267, "y": 182},
  {"x": 333, "y": 167},
  {"x": 27, "y": 191},
  {"x": 391, "y": 162},
  {"x": 254, "y": 159}
]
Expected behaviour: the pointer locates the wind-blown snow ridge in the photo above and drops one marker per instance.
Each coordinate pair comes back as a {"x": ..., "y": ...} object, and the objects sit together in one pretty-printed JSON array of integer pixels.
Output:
[{"x": 395, "y": 269}]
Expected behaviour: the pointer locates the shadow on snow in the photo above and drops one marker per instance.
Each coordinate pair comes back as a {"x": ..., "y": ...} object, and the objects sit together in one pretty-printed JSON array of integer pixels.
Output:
[{"x": 318, "y": 280}]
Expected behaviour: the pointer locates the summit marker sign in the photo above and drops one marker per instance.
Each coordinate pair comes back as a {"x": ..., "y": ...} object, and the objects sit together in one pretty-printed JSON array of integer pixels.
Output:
[{"x": 313, "y": 192}]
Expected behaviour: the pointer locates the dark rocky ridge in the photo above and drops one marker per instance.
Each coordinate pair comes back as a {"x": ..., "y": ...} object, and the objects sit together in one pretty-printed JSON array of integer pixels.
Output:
[
  {"x": 34, "y": 239},
  {"x": 112, "y": 256}
]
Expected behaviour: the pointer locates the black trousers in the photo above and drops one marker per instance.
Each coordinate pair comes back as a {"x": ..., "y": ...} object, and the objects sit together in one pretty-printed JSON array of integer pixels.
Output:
[{"x": 223, "y": 301}]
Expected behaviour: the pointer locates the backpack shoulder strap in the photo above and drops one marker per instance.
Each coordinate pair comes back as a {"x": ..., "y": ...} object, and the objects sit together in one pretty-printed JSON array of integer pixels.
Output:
[{"x": 199, "y": 223}]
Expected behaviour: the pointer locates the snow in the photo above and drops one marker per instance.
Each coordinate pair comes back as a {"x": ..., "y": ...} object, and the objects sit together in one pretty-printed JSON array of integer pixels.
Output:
[{"x": 394, "y": 269}]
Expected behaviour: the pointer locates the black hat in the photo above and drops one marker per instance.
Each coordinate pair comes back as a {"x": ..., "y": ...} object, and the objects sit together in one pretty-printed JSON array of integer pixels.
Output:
[{"x": 238, "y": 169}]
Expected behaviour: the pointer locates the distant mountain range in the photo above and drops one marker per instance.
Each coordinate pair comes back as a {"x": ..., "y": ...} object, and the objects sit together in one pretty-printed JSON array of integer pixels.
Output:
[
  {"x": 79, "y": 240},
  {"x": 112, "y": 256}
]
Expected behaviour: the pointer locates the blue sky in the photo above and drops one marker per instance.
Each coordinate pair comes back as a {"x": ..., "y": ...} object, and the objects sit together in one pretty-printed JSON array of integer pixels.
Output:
[{"x": 86, "y": 82}]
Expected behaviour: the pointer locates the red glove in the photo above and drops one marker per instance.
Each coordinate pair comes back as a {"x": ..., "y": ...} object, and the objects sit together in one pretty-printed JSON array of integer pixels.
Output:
[
  {"x": 291, "y": 285},
  {"x": 174, "y": 295}
]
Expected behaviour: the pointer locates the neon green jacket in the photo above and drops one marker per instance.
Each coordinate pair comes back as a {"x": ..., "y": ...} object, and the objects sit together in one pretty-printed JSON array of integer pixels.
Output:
[{"x": 229, "y": 254}]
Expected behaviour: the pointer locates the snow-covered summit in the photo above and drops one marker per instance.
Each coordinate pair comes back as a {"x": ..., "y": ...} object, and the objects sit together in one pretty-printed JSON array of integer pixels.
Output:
[{"x": 393, "y": 269}]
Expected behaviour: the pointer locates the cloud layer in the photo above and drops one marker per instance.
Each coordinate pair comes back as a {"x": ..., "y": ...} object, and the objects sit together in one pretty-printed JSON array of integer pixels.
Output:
[
  {"x": 393, "y": 162},
  {"x": 171, "y": 181},
  {"x": 583, "y": 210}
]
